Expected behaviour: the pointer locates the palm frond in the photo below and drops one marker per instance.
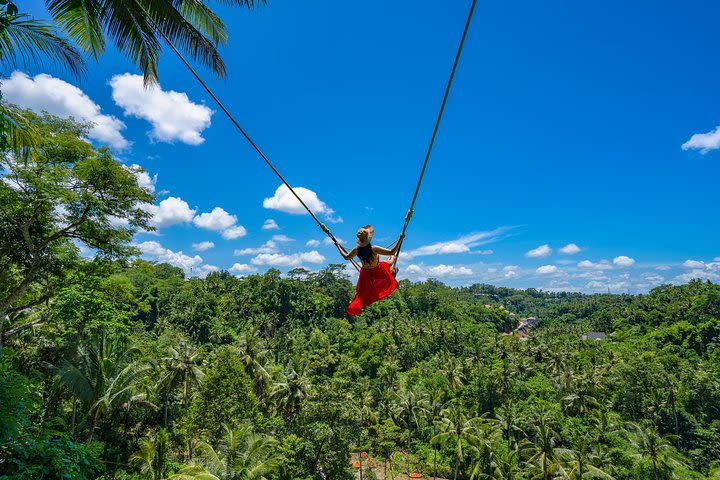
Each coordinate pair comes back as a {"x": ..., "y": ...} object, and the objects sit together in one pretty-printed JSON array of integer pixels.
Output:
[
  {"x": 25, "y": 40},
  {"x": 16, "y": 131},
  {"x": 193, "y": 472},
  {"x": 75, "y": 381},
  {"x": 81, "y": 21}
]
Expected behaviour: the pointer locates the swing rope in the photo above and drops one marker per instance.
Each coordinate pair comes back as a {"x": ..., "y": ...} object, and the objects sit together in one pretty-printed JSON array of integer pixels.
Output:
[
  {"x": 254, "y": 145},
  {"x": 280, "y": 176},
  {"x": 435, "y": 130}
]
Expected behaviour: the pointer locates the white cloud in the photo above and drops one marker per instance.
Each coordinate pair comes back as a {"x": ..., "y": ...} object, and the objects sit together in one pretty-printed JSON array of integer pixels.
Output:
[
  {"x": 291, "y": 260},
  {"x": 438, "y": 271},
  {"x": 697, "y": 274},
  {"x": 510, "y": 271},
  {"x": 217, "y": 220},
  {"x": 284, "y": 201},
  {"x": 716, "y": 259},
  {"x": 704, "y": 142},
  {"x": 202, "y": 246},
  {"x": 172, "y": 115},
  {"x": 57, "y": 97},
  {"x": 653, "y": 278},
  {"x": 144, "y": 179},
  {"x": 570, "y": 249},
  {"x": 312, "y": 243},
  {"x": 601, "y": 265},
  {"x": 414, "y": 270},
  {"x": 282, "y": 239},
  {"x": 693, "y": 264},
  {"x": 240, "y": 268},
  {"x": 171, "y": 211},
  {"x": 270, "y": 224},
  {"x": 449, "y": 271},
  {"x": 539, "y": 252},
  {"x": 267, "y": 247},
  {"x": 461, "y": 245},
  {"x": 622, "y": 261},
  {"x": 547, "y": 270},
  {"x": 192, "y": 266},
  {"x": 233, "y": 233},
  {"x": 663, "y": 268}
]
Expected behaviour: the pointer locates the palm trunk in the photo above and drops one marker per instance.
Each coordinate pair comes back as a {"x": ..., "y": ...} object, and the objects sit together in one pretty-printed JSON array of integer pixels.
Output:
[
  {"x": 165, "y": 414},
  {"x": 434, "y": 463},
  {"x": 654, "y": 462},
  {"x": 74, "y": 416},
  {"x": 93, "y": 423}
]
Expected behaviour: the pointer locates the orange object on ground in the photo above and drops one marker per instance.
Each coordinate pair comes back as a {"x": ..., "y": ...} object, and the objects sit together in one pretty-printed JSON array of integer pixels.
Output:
[
  {"x": 356, "y": 464},
  {"x": 374, "y": 284},
  {"x": 416, "y": 475}
]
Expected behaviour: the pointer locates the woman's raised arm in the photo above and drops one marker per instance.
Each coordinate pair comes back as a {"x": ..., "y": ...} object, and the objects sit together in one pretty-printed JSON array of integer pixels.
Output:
[{"x": 345, "y": 254}]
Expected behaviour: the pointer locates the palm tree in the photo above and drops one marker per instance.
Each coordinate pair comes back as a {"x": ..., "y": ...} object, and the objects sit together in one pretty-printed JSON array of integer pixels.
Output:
[
  {"x": 152, "y": 458},
  {"x": 411, "y": 405},
  {"x": 653, "y": 446},
  {"x": 580, "y": 462},
  {"x": 137, "y": 28},
  {"x": 290, "y": 392},
  {"x": 255, "y": 359},
  {"x": 181, "y": 369},
  {"x": 433, "y": 410},
  {"x": 455, "y": 432},
  {"x": 103, "y": 378},
  {"x": 454, "y": 370},
  {"x": 542, "y": 448},
  {"x": 481, "y": 445},
  {"x": 243, "y": 455},
  {"x": 505, "y": 464},
  {"x": 506, "y": 420},
  {"x": 25, "y": 40}
]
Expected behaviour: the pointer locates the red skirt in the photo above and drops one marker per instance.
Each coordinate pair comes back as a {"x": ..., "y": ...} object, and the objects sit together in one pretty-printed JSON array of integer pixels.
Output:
[{"x": 374, "y": 284}]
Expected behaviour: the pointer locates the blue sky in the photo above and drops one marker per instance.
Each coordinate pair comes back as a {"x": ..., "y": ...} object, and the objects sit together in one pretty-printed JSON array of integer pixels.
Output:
[{"x": 566, "y": 125}]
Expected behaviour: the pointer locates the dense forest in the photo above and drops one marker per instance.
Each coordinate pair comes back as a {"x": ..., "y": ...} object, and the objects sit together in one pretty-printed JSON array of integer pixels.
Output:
[{"x": 116, "y": 368}]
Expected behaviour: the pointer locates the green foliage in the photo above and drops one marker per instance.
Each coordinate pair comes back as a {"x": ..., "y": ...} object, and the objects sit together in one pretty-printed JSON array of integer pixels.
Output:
[
  {"x": 52, "y": 456},
  {"x": 14, "y": 401},
  {"x": 226, "y": 395},
  {"x": 166, "y": 377}
]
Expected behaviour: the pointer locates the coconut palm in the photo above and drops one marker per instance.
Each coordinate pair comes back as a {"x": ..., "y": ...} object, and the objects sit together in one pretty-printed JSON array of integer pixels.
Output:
[
  {"x": 506, "y": 465},
  {"x": 242, "y": 455},
  {"x": 255, "y": 359},
  {"x": 153, "y": 456},
  {"x": 455, "y": 431},
  {"x": 656, "y": 448},
  {"x": 580, "y": 462},
  {"x": 290, "y": 392},
  {"x": 481, "y": 445},
  {"x": 104, "y": 377},
  {"x": 25, "y": 40},
  {"x": 432, "y": 411},
  {"x": 542, "y": 448},
  {"x": 411, "y": 404},
  {"x": 137, "y": 28},
  {"x": 181, "y": 369},
  {"x": 506, "y": 418}
]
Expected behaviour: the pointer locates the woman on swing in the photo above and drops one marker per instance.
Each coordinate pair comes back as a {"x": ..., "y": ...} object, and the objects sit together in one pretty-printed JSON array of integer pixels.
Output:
[{"x": 377, "y": 279}]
